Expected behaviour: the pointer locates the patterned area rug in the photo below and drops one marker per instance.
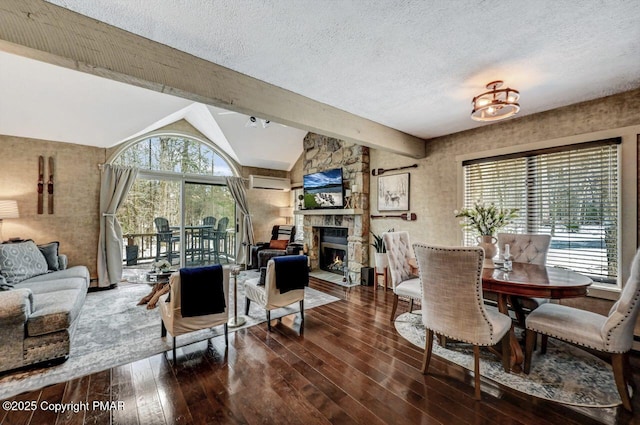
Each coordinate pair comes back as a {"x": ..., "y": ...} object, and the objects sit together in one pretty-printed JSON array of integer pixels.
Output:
[
  {"x": 565, "y": 374},
  {"x": 113, "y": 330}
]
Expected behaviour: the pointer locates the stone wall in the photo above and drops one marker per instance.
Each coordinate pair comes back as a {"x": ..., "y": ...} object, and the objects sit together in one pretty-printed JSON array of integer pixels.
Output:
[{"x": 324, "y": 153}]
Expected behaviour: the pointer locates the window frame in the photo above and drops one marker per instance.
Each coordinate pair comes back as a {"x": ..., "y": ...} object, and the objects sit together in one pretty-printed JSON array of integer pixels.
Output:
[{"x": 628, "y": 192}]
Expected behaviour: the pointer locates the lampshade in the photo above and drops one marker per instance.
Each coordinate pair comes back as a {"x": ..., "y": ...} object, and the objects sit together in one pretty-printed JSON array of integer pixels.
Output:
[
  {"x": 8, "y": 209},
  {"x": 286, "y": 212},
  {"x": 495, "y": 104}
]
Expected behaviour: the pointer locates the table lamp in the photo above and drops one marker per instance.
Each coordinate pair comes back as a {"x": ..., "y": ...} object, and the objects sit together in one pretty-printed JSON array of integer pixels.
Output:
[
  {"x": 8, "y": 209},
  {"x": 287, "y": 213}
]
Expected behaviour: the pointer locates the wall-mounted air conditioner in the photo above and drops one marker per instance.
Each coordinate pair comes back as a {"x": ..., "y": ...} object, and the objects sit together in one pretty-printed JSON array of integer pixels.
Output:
[{"x": 266, "y": 182}]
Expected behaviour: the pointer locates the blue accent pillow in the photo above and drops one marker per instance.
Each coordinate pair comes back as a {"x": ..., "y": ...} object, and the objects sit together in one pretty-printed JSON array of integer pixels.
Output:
[{"x": 50, "y": 252}]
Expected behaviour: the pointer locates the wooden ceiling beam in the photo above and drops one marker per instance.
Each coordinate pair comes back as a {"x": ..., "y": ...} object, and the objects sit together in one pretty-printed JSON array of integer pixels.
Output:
[{"x": 52, "y": 34}]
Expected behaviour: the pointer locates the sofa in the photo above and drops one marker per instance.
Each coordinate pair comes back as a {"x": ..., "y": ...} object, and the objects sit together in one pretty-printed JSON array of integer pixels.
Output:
[{"x": 38, "y": 308}]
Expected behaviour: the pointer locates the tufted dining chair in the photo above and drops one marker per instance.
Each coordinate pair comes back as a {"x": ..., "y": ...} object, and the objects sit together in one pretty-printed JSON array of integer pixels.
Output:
[
  {"x": 526, "y": 248},
  {"x": 404, "y": 283},
  {"x": 611, "y": 334},
  {"x": 452, "y": 303}
]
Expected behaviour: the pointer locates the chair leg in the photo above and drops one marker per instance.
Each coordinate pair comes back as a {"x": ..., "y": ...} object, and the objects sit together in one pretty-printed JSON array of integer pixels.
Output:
[
  {"x": 269, "y": 320},
  {"x": 442, "y": 340},
  {"x": 174, "y": 350},
  {"x": 530, "y": 339},
  {"x": 618, "y": 363},
  {"x": 226, "y": 334},
  {"x": 163, "y": 329},
  {"x": 427, "y": 351},
  {"x": 628, "y": 373},
  {"x": 506, "y": 352},
  {"x": 410, "y": 305},
  {"x": 247, "y": 303},
  {"x": 476, "y": 370},
  {"x": 543, "y": 344},
  {"x": 395, "y": 306},
  {"x": 302, "y": 310}
]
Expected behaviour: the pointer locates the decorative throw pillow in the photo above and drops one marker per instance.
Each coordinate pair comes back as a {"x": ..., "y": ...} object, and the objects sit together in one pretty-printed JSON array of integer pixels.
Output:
[
  {"x": 4, "y": 286},
  {"x": 20, "y": 261},
  {"x": 50, "y": 252},
  {"x": 278, "y": 243}
]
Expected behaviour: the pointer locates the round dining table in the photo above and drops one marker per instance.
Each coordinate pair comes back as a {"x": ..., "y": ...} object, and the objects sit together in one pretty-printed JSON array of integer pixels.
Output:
[{"x": 533, "y": 281}]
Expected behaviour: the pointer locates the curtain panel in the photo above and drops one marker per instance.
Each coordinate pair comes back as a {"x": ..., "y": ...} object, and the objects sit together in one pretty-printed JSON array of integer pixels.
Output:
[
  {"x": 115, "y": 184},
  {"x": 239, "y": 194}
]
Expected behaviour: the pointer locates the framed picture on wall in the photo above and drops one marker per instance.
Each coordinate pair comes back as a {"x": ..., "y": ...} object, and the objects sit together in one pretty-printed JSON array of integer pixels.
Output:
[{"x": 393, "y": 192}]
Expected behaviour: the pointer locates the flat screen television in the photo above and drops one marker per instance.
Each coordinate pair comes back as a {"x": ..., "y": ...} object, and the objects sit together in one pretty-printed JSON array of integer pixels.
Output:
[{"x": 323, "y": 189}]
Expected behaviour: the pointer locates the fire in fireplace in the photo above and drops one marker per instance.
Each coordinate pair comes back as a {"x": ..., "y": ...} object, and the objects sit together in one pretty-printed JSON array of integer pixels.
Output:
[{"x": 333, "y": 249}]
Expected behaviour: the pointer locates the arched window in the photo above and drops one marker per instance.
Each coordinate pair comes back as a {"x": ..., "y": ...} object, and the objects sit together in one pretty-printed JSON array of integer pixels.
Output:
[
  {"x": 174, "y": 154},
  {"x": 181, "y": 182}
]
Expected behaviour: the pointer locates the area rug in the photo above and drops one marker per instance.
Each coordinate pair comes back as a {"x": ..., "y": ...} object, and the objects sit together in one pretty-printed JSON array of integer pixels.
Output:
[
  {"x": 113, "y": 330},
  {"x": 565, "y": 374}
]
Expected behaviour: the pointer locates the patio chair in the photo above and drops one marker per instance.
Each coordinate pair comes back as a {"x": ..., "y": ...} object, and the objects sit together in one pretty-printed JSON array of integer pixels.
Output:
[{"x": 165, "y": 235}]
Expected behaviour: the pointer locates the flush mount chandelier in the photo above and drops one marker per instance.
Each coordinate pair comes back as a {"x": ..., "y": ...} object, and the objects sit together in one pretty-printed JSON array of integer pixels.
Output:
[{"x": 495, "y": 104}]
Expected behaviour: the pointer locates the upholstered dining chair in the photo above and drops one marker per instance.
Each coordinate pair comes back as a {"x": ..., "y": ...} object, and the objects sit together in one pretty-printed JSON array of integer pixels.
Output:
[
  {"x": 532, "y": 249},
  {"x": 452, "y": 303},
  {"x": 198, "y": 300},
  {"x": 283, "y": 284},
  {"x": 611, "y": 334},
  {"x": 404, "y": 283}
]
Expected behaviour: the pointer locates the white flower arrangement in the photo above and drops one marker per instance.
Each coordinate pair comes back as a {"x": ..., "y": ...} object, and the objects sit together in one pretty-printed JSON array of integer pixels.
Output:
[
  {"x": 486, "y": 220},
  {"x": 161, "y": 265}
]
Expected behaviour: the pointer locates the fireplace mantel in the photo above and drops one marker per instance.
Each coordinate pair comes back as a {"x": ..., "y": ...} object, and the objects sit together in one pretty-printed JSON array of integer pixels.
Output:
[{"x": 330, "y": 212}]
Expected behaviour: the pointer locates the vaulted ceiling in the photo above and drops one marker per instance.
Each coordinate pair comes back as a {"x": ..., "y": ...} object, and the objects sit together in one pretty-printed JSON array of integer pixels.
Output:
[{"x": 410, "y": 65}]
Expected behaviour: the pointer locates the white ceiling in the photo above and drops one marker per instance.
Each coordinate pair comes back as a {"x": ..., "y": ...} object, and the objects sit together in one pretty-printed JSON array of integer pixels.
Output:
[{"x": 411, "y": 65}]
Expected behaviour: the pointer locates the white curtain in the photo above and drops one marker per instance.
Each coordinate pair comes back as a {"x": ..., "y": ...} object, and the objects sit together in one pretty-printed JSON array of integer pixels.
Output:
[
  {"x": 115, "y": 184},
  {"x": 236, "y": 187}
]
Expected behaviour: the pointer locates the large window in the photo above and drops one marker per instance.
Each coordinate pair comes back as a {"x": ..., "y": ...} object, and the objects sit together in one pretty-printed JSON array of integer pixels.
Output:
[
  {"x": 181, "y": 180},
  {"x": 568, "y": 192}
]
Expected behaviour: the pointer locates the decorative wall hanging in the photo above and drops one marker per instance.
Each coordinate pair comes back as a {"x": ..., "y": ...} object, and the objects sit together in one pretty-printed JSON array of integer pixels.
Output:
[
  {"x": 379, "y": 171},
  {"x": 393, "y": 193},
  {"x": 404, "y": 216},
  {"x": 40, "y": 184},
  {"x": 50, "y": 186}
]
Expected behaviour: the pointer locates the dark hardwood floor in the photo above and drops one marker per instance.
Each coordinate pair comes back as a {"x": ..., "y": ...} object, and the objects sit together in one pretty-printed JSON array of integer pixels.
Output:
[{"x": 349, "y": 366}]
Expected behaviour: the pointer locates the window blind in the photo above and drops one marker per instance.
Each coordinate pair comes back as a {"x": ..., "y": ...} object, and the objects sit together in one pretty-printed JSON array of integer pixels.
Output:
[{"x": 570, "y": 193}]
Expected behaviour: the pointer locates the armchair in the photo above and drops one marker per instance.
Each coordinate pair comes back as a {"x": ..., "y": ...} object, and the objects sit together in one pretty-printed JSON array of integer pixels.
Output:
[
  {"x": 284, "y": 284},
  {"x": 199, "y": 305},
  {"x": 281, "y": 243}
]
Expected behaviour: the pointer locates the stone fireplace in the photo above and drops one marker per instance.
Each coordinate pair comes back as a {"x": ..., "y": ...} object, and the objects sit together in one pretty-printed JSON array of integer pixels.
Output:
[{"x": 339, "y": 232}]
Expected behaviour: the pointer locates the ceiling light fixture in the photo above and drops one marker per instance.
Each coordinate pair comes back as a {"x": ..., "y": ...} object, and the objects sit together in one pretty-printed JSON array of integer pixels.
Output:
[
  {"x": 496, "y": 104},
  {"x": 265, "y": 123}
]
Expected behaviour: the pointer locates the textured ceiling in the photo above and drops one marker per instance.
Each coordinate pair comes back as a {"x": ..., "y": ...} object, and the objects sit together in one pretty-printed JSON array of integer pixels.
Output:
[{"x": 411, "y": 65}]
